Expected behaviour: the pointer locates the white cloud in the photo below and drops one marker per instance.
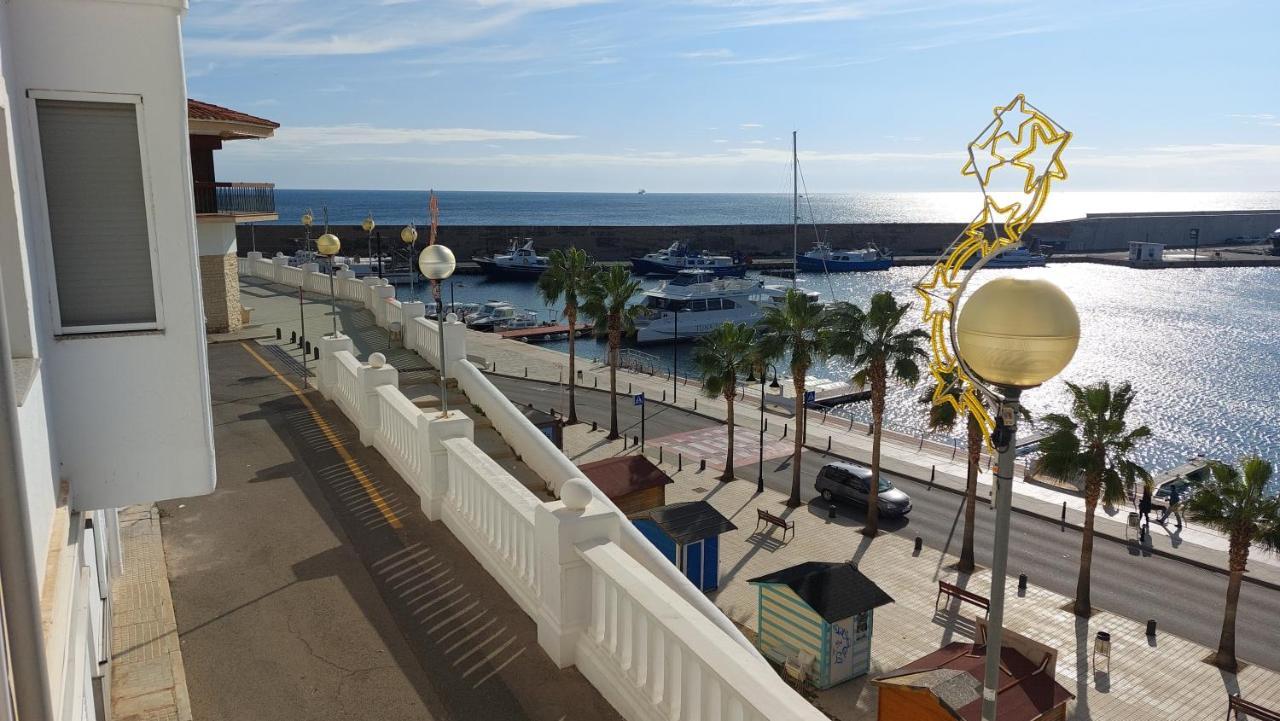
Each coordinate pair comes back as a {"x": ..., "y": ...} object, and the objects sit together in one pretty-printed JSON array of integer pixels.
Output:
[
  {"x": 605, "y": 61},
  {"x": 748, "y": 126},
  {"x": 295, "y": 137},
  {"x": 731, "y": 157},
  {"x": 1182, "y": 156},
  {"x": 711, "y": 53},
  {"x": 770, "y": 60}
]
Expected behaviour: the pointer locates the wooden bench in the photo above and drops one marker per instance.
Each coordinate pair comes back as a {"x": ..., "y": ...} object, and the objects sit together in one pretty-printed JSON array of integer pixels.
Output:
[
  {"x": 1252, "y": 711},
  {"x": 953, "y": 591},
  {"x": 768, "y": 519}
]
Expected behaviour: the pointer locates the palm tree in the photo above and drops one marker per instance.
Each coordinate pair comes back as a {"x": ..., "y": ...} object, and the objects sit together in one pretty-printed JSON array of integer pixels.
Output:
[
  {"x": 720, "y": 356},
  {"x": 1093, "y": 442},
  {"x": 879, "y": 351},
  {"x": 609, "y": 306},
  {"x": 568, "y": 276},
  {"x": 790, "y": 328},
  {"x": 1235, "y": 502}
]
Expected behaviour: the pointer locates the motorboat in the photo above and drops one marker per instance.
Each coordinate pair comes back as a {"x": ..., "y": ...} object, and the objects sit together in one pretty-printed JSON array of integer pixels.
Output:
[
  {"x": 821, "y": 258},
  {"x": 678, "y": 257},
  {"x": 504, "y": 317},
  {"x": 520, "y": 261},
  {"x": 485, "y": 311},
  {"x": 695, "y": 302},
  {"x": 1013, "y": 258},
  {"x": 522, "y": 319}
]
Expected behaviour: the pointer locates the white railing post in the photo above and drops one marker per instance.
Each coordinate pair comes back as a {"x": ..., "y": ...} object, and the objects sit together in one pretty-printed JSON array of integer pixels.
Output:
[
  {"x": 455, "y": 343},
  {"x": 409, "y": 310},
  {"x": 433, "y": 431},
  {"x": 344, "y": 273},
  {"x": 328, "y": 346},
  {"x": 381, "y": 294},
  {"x": 253, "y": 255},
  {"x": 280, "y": 262},
  {"x": 558, "y": 527},
  {"x": 371, "y": 375}
]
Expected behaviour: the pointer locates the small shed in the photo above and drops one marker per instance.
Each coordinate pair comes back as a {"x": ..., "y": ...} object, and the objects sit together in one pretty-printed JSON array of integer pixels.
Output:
[
  {"x": 633, "y": 483},
  {"x": 550, "y": 426},
  {"x": 818, "y": 613},
  {"x": 947, "y": 684},
  {"x": 688, "y": 534},
  {"x": 1143, "y": 253}
]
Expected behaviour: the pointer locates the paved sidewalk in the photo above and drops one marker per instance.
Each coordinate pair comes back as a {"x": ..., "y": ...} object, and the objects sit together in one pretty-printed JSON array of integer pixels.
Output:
[
  {"x": 1148, "y": 680},
  {"x": 148, "y": 680}
]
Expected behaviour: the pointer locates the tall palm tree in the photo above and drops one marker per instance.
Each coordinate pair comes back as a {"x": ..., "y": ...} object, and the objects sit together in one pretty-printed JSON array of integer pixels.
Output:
[
  {"x": 609, "y": 306},
  {"x": 1236, "y": 503},
  {"x": 568, "y": 276},
  {"x": 1094, "y": 442},
  {"x": 880, "y": 351},
  {"x": 721, "y": 356},
  {"x": 790, "y": 329}
]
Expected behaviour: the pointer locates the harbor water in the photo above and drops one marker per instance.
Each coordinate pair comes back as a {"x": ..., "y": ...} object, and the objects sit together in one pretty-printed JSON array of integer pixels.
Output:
[{"x": 1199, "y": 345}]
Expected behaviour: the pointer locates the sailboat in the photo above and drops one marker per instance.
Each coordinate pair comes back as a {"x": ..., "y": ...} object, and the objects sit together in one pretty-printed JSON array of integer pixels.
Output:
[{"x": 822, "y": 258}]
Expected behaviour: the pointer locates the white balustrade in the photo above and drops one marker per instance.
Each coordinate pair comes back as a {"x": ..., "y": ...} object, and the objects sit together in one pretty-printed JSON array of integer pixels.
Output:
[
  {"x": 398, "y": 436},
  {"x": 291, "y": 276},
  {"x": 394, "y": 312},
  {"x": 345, "y": 388}
]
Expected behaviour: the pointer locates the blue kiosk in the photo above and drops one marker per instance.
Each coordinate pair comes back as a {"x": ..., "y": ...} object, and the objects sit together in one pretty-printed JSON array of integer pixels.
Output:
[{"x": 689, "y": 535}]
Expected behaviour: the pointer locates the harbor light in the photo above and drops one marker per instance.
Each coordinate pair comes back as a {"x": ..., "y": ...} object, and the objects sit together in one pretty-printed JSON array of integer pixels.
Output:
[
  {"x": 1017, "y": 333},
  {"x": 408, "y": 235},
  {"x": 437, "y": 263}
]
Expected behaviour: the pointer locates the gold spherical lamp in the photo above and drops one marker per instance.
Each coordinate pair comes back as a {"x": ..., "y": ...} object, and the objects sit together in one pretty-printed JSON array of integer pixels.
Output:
[
  {"x": 408, "y": 235},
  {"x": 328, "y": 244},
  {"x": 368, "y": 223},
  {"x": 436, "y": 262},
  {"x": 1017, "y": 333},
  {"x": 308, "y": 219}
]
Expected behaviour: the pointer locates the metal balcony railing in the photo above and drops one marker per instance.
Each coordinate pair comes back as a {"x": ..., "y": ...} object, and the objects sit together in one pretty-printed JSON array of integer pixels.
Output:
[{"x": 235, "y": 198}]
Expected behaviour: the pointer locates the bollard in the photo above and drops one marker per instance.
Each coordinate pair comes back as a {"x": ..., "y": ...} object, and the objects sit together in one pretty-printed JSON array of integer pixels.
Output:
[
  {"x": 629, "y": 388},
  {"x": 869, "y": 428},
  {"x": 828, "y": 444},
  {"x": 1064, "y": 511},
  {"x": 766, "y": 424},
  {"x": 526, "y": 371},
  {"x": 594, "y": 427},
  {"x": 702, "y": 465},
  {"x": 679, "y": 461},
  {"x": 831, "y": 509},
  {"x": 1151, "y": 628},
  {"x": 695, "y": 404},
  {"x": 850, "y": 424},
  {"x": 278, "y": 333},
  {"x": 1022, "y": 583},
  {"x": 307, "y": 346},
  {"x": 293, "y": 336},
  {"x": 579, "y": 375},
  {"x": 635, "y": 441},
  {"x": 933, "y": 472},
  {"x": 919, "y": 544},
  {"x": 664, "y": 396},
  {"x": 659, "y": 454},
  {"x": 595, "y": 381},
  {"x": 316, "y": 352},
  {"x": 921, "y": 446},
  {"x": 784, "y": 430}
]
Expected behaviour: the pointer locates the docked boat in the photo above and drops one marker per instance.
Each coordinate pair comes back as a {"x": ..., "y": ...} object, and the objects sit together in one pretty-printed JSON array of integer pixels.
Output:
[
  {"x": 821, "y": 258},
  {"x": 1015, "y": 258},
  {"x": 503, "y": 316},
  {"x": 520, "y": 261},
  {"x": 694, "y": 303},
  {"x": 678, "y": 257}
]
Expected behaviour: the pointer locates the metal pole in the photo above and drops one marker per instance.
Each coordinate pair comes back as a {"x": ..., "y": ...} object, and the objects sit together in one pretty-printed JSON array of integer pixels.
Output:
[
  {"x": 333, "y": 296},
  {"x": 675, "y": 354},
  {"x": 643, "y": 406},
  {"x": 1005, "y": 439},
  {"x": 760, "y": 477},
  {"x": 302, "y": 322},
  {"x": 440, "y": 321},
  {"x": 795, "y": 208}
]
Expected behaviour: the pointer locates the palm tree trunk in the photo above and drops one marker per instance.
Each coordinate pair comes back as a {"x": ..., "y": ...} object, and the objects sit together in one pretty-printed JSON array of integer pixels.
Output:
[
  {"x": 872, "y": 525},
  {"x": 571, "y": 314},
  {"x": 728, "y": 458},
  {"x": 966, "y": 564},
  {"x": 613, "y": 384},
  {"x": 1082, "y": 606},
  {"x": 1225, "y": 659},
  {"x": 794, "y": 500}
]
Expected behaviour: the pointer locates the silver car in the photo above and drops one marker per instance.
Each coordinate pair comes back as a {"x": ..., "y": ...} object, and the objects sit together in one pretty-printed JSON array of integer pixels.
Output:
[{"x": 851, "y": 482}]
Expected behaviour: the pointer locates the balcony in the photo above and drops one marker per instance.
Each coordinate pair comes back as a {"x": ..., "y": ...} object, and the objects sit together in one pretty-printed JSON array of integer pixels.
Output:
[{"x": 243, "y": 201}]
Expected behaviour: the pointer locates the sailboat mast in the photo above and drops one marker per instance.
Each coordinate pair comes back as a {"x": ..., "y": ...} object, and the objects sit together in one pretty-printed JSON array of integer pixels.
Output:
[{"x": 795, "y": 207}]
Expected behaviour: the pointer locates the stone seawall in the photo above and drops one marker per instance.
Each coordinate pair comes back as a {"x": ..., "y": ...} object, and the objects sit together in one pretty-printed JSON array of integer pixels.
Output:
[{"x": 1092, "y": 233}]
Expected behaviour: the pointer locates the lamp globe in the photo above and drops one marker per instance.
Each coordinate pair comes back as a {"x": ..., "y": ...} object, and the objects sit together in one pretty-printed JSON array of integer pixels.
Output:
[
  {"x": 436, "y": 262},
  {"x": 368, "y": 224},
  {"x": 1017, "y": 333},
  {"x": 328, "y": 244},
  {"x": 307, "y": 218},
  {"x": 409, "y": 235}
]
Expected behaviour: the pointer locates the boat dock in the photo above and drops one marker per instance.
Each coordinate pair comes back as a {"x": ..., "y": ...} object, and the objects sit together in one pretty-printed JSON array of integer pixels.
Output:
[{"x": 543, "y": 332}]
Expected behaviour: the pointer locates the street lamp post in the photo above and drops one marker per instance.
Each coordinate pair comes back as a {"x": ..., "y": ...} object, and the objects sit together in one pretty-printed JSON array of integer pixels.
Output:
[
  {"x": 1011, "y": 335},
  {"x": 329, "y": 245},
  {"x": 368, "y": 226},
  {"x": 437, "y": 263},
  {"x": 307, "y": 220},
  {"x": 764, "y": 368},
  {"x": 675, "y": 353},
  {"x": 409, "y": 236}
]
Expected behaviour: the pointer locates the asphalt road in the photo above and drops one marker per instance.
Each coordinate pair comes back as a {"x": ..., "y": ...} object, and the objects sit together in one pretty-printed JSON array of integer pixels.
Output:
[{"x": 1185, "y": 600}]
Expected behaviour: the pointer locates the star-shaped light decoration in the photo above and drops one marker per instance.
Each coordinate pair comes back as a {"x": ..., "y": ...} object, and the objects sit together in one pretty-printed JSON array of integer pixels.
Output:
[
  {"x": 1012, "y": 118},
  {"x": 1042, "y": 157},
  {"x": 983, "y": 159}
]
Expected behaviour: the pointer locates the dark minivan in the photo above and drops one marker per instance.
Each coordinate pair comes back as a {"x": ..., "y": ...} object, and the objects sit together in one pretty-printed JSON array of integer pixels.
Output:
[{"x": 851, "y": 482}]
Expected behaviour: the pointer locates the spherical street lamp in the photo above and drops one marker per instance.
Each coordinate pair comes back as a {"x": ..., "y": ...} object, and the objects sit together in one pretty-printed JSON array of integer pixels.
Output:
[
  {"x": 329, "y": 245},
  {"x": 307, "y": 220},
  {"x": 1016, "y": 333},
  {"x": 409, "y": 235},
  {"x": 437, "y": 263},
  {"x": 368, "y": 223}
]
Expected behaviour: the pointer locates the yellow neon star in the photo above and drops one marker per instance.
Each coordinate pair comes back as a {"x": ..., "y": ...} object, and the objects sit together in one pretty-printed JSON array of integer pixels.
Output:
[
  {"x": 978, "y": 165},
  {"x": 1009, "y": 124},
  {"x": 1048, "y": 144}
]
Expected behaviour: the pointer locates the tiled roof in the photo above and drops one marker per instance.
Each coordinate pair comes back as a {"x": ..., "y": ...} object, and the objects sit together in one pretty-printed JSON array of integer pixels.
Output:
[
  {"x": 198, "y": 110},
  {"x": 835, "y": 590},
  {"x": 624, "y": 475}
]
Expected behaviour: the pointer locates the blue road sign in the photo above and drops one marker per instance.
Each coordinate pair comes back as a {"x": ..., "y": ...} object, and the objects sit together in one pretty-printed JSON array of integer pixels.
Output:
[
  {"x": 810, "y": 396},
  {"x": 638, "y": 399}
]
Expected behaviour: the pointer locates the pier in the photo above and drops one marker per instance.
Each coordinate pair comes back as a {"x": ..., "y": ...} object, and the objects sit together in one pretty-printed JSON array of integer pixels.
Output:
[{"x": 543, "y": 332}]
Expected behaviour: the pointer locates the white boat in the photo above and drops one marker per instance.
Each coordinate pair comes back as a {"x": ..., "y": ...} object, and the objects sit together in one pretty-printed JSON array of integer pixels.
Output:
[
  {"x": 694, "y": 303},
  {"x": 1016, "y": 258},
  {"x": 522, "y": 319},
  {"x": 520, "y": 261},
  {"x": 678, "y": 257},
  {"x": 504, "y": 317},
  {"x": 485, "y": 311}
]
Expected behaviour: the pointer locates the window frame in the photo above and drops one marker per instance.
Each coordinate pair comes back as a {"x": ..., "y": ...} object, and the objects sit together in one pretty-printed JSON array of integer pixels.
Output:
[{"x": 49, "y": 271}]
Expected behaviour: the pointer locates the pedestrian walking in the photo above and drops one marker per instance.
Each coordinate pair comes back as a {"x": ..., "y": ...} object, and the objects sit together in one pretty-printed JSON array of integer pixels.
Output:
[
  {"x": 1174, "y": 508},
  {"x": 1144, "y": 510}
]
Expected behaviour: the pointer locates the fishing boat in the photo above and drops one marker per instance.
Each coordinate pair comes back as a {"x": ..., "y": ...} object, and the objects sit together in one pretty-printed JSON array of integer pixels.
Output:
[
  {"x": 504, "y": 317},
  {"x": 821, "y": 258},
  {"x": 520, "y": 261},
  {"x": 695, "y": 302},
  {"x": 1015, "y": 258},
  {"x": 678, "y": 257}
]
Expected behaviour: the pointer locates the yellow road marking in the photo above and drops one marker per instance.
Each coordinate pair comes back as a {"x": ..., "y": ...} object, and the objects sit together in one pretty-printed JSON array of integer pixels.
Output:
[{"x": 336, "y": 443}]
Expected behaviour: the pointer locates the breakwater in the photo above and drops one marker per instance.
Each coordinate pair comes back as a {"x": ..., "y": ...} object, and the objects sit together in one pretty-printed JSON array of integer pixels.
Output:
[{"x": 1093, "y": 233}]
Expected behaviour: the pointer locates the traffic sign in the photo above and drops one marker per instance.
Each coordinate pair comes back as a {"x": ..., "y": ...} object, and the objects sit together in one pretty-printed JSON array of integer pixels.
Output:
[
  {"x": 810, "y": 396},
  {"x": 638, "y": 399}
]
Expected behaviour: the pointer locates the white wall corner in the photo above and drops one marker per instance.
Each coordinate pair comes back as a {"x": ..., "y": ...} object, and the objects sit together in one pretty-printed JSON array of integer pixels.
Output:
[{"x": 565, "y": 577}]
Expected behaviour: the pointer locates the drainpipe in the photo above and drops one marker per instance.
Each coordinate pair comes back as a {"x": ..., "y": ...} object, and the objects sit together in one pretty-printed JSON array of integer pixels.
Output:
[{"x": 21, "y": 593}]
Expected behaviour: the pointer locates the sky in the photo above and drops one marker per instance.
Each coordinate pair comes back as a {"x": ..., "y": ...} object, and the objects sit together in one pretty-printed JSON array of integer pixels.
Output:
[{"x": 702, "y": 95}]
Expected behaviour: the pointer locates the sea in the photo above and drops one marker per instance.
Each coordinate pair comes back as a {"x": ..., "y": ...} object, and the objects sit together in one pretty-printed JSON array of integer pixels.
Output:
[{"x": 1200, "y": 346}]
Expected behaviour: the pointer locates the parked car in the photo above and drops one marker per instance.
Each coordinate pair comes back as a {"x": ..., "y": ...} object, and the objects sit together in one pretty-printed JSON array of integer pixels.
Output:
[{"x": 852, "y": 482}]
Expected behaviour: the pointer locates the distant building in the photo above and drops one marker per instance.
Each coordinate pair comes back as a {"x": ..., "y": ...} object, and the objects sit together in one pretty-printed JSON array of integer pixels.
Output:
[
  {"x": 103, "y": 372},
  {"x": 1144, "y": 253}
]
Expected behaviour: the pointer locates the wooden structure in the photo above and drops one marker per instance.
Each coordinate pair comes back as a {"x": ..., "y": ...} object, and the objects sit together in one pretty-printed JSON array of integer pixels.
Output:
[
  {"x": 688, "y": 534},
  {"x": 551, "y": 426},
  {"x": 1237, "y": 706},
  {"x": 946, "y": 685},
  {"x": 816, "y": 618},
  {"x": 544, "y": 332},
  {"x": 950, "y": 590},
  {"x": 765, "y": 519},
  {"x": 633, "y": 483}
]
